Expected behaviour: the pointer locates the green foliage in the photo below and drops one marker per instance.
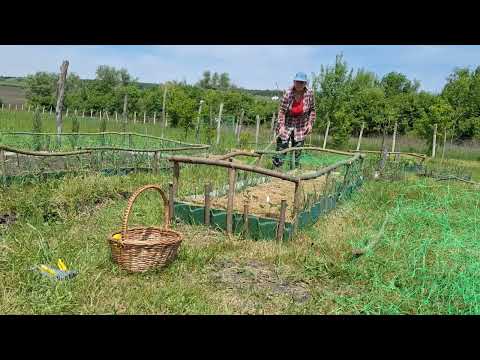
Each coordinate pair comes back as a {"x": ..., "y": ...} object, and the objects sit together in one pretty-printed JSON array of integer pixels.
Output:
[
  {"x": 40, "y": 89},
  {"x": 245, "y": 139}
]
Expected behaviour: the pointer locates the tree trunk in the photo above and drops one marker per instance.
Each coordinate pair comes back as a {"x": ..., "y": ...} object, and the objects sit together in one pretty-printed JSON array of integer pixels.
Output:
[
  {"x": 434, "y": 145},
  {"x": 60, "y": 97},
  {"x": 394, "y": 136}
]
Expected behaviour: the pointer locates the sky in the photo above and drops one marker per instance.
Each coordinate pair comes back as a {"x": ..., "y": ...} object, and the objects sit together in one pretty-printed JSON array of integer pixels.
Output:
[{"x": 249, "y": 66}]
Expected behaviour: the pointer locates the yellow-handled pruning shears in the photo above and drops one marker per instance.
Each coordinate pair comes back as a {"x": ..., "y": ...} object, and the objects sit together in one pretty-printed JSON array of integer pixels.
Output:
[
  {"x": 47, "y": 270},
  {"x": 61, "y": 265}
]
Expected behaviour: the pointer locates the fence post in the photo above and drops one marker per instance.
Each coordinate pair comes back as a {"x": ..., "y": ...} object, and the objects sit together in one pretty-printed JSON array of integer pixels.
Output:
[
  {"x": 219, "y": 121},
  {"x": 434, "y": 140},
  {"x": 16, "y": 109},
  {"x": 240, "y": 122},
  {"x": 326, "y": 134},
  {"x": 135, "y": 117},
  {"x": 171, "y": 201},
  {"x": 231, "y": 194},
  {"x": 144, "y": 117},
  {"x": 394, "y": 136},
  {"x": 281, "y": 222},
  {"x": 154, "y": 117},
  {"x": 61, "y": 94},
  {"x": 296, "y": 205},
  {"x": 206, "y": 217},
  {"x": 116, "y": 116},
  {"x": 444, "y": 142},
  {"x": 66, "y": 113},
  {"x": 360, "y": 136},
  {"x": 256, "y": 132},
  {"x": 22, "y": 107},
  {"x": 164, "y": 114}
]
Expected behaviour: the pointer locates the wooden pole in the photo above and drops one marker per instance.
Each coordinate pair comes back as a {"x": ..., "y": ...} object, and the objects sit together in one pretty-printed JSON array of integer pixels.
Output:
[
  {"x": 8, "y": 107},
  {"x": 50, "y": 111},
  {"x": 326, "y": 134},
  {"x": 108, "y": 117},
  {"x": 43, "y": 110},
  {"x": 91, "y": 113},
  {"x": 197, "y": 128},
  {"x": 231, "y": 194},
  {"x": 246, "y": 206},
  {"x": 176, "y": 176},
  {"x": 61, "y": 94},
  {"x": 281, "y": 222},
  {"x": 144, "y": 117},
  {"x": 394, "y": 136},
  {"x": 3, "y": 165},
  {"x": 360, "y": 136},
  {"x": 164, "y": 114},
  {"x": 219, "y": 121},
  {"x": 66, "y": 113},
  {"x": 116, "y": 116},
  {"x": 135, "y": 117},
  {"x": 240, "y": 121},
  {"x": 296, "y": 205},
  {"x": 444, "y": 142},
  {"x": 83, "y": 113},
  {"x": 171, "y": 201},
  {"x": 434, "y": 140},
  {"x": 155, "y": 162},
  {"x": 154, "y": 117},
  {"x": 16, "y": 109},
  {"x": 208, "y": 190},
  {"x": 125, "y": 103},
  {"x": 256, "y": 132},
  {"x": 22, "y": 107}
]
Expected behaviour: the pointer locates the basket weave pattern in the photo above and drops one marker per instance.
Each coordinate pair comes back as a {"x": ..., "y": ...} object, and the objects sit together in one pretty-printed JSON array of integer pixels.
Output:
[{"x": 144, "y": 248}]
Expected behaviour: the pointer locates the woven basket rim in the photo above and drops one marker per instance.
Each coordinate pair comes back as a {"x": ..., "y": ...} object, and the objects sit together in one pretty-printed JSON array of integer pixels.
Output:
[{"x": 178, "y": 237}]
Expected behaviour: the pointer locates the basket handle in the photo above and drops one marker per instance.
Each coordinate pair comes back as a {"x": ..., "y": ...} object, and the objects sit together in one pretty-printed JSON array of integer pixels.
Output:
[{"x": 132, "y": 200}]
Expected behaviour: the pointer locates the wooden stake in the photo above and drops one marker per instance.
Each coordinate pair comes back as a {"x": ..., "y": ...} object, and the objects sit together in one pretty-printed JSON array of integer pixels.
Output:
[
  {"x": 360, "y": 136},
  {"x": 434, "y": 140},
  {"x": 231, "y": 194},
  {"x": 108, "y": 117},
  {"x": 61, "y": 94},
  {"x": 66, "y": 113},
  {"x": 256, "y": 132},
  {"x": 43, "y": 110},
  {"x": 281, "y": 222},
  {"x": 116, "y": 117},
  {"x": 144, "y": 117},
  {"x": 164, "y": 114},
  {"x": 3, "y": 164},
  {"x": 394, "y": 136},
  {"x": 296, "y": 205},
  {"x": 444, "y": 142},
  {"x": 154, "y": 117},
  {"x": 8, "y": 107},
  {"x": 326, "y": 134},
  {"x": 171, "y": 201},
  {"x": 245, "y": 219},
  {"x": 83, "y": 113},
  {"x": 16, "y": 107},
  {"x": 197, "y": 128},
  {"x": 91, "y": 113},
  {"x": 240, "y": 122},
  {"x": 135, "y": 117},
  {"x": 206, "y": 217},
  {"x": 176, "y": 176},
  {"x": 219, "y": 121},
  {"x": 155, "y": 162},
  {"x": 22, "y": 107}
]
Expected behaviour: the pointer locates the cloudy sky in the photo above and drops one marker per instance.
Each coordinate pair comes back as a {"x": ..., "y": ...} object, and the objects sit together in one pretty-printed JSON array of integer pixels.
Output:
[{"x": 249, "y": 66}]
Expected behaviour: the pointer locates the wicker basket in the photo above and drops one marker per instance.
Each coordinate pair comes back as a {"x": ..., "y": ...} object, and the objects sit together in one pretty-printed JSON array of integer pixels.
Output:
[{"x": 144, "y": 248}]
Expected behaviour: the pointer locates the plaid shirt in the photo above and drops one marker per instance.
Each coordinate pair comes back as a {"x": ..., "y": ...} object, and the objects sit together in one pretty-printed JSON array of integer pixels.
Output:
[{"x": 300, "y": 125}]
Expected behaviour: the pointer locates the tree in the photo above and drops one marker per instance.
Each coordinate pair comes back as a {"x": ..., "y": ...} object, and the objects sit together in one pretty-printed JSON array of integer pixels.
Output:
[
  {"x": 40, "y": 89},
  {"x": 224, "y": 81},
  {"x": 395, "y": 83}
]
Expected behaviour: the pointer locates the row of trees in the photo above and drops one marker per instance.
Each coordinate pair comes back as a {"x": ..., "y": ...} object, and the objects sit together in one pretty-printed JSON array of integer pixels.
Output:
[
  {"x": 107, "y": 93},
  {"x": 348, "y": 99},
  {"x": 344, "y": 97}
]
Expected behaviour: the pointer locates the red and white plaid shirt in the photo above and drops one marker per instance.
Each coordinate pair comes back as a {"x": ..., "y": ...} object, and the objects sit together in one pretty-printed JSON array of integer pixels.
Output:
[{"x": 300, "y": 125}]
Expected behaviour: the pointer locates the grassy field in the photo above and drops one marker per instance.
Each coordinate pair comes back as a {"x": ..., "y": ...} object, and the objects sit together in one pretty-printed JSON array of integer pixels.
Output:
[
  {"x": 11, "y": 93},
  {"x": 425, "y": 262}
]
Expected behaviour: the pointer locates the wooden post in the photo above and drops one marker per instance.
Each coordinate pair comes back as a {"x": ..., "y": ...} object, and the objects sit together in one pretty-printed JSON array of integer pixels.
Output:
[
  {"x": 360, "y": 136},
  {"x": 240, "y": 121},
  {"x": 91, "y": 113},
  {"x": 197, "y": 127},
  {"x": 16, "y": 109},
  {"x": 144, "y": 117},
  {"x": 231, "y": 194},
  {"x": 176, "y": 176},
  {"x": 22, "y": 107},
  {"x": 125, "y": 102},
  {"x": 281, "y": 222},
  {"x": 171, "y": 201},
  {"x": 219, "y": 121},
  {"x": 50, "y": 111},
  {"x": 154, "y": 117},
  {"x": 326, "y": 134},
  {"x": 43, "y": 110},
  {"x": 444, "y": 142},
  {"x": 135, "y": 117},
  {"x": 164, "y": 114},
  {"x": 245, "y": 218},
  {"x": 61, "y": 94},
  {"x": 296, "y": 205},
  {"x": 8, "y": 107},
  {"x": 256, "y": 132},
  {"x": 434, "y": 140},
  {"x": 83, "y": 113},
  {"x": 206, "y": 217},
  {"x": 66, "y": 113},
  {"x": 116, "y": 116},
  {"x": 394, "y": 136}
]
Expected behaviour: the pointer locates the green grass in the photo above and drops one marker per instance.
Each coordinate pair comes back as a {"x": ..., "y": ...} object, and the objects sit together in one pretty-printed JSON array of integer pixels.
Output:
[{"x": 426, "y": 262}]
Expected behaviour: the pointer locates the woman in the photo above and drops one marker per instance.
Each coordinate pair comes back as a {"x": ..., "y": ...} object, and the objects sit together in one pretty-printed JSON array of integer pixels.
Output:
[{"x": 295, "y": 117}]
